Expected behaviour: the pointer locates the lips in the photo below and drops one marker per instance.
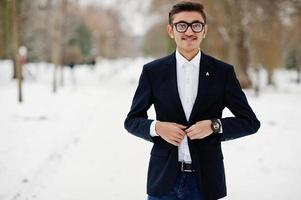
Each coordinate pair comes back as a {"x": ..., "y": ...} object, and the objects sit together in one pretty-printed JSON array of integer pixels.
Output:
[{"x": 189, "y": 38}]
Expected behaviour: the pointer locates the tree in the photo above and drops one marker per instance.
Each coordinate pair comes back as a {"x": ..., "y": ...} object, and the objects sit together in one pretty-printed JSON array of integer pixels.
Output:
[
  {"x": 266, "y": 36},
  {"x": 107, "y": 36},
  {"x": 234, "y": 20},
  {"x": 158, "y": 32},
  {"x": 295, "y": 34},
  {"x": 56, "y": 38},
  {"x": 2, "y": 25},
  {"x": 163, "y": 42},
  {"x": 5, "y": 29},
  {"x": 15, "y": 44}
]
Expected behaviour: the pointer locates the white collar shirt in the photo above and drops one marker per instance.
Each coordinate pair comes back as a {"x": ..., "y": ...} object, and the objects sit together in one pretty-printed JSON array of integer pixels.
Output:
[{"x": 187, "y": 82}]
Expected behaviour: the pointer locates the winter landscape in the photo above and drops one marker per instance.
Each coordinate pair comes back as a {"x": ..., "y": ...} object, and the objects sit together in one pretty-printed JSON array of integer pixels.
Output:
[
  {"x": 77, "y": 63},
  {"x": 72, "y": 145}
]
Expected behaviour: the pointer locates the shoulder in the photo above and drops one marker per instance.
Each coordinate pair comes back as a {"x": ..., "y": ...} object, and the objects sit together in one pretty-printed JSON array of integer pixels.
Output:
[
  {"x": 218, "y": 64},
  {"x": 158, "y": 64}
]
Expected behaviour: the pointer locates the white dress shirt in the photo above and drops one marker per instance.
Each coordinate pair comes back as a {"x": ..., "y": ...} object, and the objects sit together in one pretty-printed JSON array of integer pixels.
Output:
[{"x": 187, "y": 80}]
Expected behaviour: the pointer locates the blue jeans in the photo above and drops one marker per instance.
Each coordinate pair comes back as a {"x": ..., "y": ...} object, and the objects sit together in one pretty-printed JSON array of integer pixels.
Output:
[{"x": 185, "y": 188}]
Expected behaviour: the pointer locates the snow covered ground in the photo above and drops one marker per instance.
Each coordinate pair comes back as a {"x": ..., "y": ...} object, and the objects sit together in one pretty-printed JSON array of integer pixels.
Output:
[{"x": 72, "y": 145}]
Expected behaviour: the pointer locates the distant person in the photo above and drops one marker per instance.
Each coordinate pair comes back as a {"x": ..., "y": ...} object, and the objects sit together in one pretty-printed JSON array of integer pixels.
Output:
[
  {"x": 189, "y": 90},
  {"x": 71, "y": 65},
  {"x": 23, "y": 55},
  {"x": 23, "y": 52},
  {"x": 92, "y": 62}
]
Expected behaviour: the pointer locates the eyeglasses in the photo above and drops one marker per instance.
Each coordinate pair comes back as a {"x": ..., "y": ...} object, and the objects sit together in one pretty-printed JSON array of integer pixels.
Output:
[{"x": 195, "y": 26}]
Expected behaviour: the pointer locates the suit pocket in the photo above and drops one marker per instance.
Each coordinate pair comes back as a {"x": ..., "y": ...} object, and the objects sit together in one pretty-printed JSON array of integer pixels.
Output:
[
  {"x": 160, "y": 151},
  {"x": 210, "y": 148}
]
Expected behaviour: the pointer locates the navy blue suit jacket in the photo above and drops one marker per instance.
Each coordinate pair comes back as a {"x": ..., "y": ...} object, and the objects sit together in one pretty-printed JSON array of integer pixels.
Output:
[{"x": 158, "y": 86}]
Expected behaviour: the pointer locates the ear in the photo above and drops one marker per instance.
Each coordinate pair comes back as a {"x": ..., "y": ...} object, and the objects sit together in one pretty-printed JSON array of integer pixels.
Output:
[
  {"x": 169, "y": 31},
  {"x": 205, "y": 31}
]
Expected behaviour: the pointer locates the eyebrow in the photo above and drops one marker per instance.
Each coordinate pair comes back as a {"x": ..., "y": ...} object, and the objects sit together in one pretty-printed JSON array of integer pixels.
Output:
[{"x": 195, "y": 21}]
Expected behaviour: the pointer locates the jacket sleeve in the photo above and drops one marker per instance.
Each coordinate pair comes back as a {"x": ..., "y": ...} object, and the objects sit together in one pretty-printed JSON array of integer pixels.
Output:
[
  {"x": 245, "y": 121},
  {"x": 137, "y": 122}
]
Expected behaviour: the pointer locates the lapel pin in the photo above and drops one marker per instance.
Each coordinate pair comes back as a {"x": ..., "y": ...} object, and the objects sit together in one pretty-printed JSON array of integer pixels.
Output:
[{"x": 207, "y": 74}]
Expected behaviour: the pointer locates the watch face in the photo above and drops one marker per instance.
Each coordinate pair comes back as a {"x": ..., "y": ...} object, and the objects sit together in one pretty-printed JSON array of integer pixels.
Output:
[{"x": 216, "y": 125}]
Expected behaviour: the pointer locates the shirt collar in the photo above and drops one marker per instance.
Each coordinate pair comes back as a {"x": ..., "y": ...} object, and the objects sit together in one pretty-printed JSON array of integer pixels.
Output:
[{"x": 181, "y": 60}]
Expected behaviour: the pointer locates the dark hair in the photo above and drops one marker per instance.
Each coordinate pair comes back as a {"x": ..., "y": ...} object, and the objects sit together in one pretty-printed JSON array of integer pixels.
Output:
[{"x": 186, "y": 6}]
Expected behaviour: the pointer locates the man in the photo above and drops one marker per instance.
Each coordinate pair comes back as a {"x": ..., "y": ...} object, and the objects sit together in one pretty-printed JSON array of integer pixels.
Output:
[{"x": 189, "y": 91}]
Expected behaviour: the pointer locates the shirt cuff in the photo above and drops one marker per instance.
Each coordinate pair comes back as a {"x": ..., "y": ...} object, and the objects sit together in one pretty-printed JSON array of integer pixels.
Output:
[{"x": 152, "y": 130}]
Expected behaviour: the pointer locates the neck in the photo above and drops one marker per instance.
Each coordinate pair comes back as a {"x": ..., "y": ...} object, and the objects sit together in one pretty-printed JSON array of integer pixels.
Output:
[{"x": 189, "y": 55}]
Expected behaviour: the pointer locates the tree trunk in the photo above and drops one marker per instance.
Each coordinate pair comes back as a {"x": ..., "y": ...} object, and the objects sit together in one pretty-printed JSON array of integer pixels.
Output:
[
  {"x": 298, "y": 74},
  {"x": 298, "y": 66},
  {"x": 62, "y": 68},
  {"x": 57, "y": 41},
  {"x": 299, "y": 48},
  {"x": 239, "y": 51},
  {"x": 15, "y": 44},
  {"x": 270, "y": 76},
  {"x": 6, "y": 46},
  {"x": 243, "y": 58},
  {"x": 2, "y": 21},
  {"x": 257, "y": 81}
]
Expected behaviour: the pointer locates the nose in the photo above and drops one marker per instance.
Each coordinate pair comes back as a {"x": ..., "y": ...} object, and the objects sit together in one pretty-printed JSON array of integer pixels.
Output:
[{"x": 189, "y": 31}]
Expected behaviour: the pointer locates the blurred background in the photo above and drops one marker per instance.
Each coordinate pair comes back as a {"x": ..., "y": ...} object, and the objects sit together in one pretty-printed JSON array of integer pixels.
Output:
[{"x": 68, "y": 72}]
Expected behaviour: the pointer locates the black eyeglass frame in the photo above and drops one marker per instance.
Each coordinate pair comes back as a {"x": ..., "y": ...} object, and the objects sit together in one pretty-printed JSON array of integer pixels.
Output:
[{"x": 189, "y": 25}]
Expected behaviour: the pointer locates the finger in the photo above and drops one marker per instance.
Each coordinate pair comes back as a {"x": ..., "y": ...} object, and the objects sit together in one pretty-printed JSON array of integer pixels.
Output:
[
  {"x": 178, "y": 134},
  {"x": 177, "y": 140},
  {"x": 191, "y": 128},
  {"x": 178, "y": 137},
  {"x": 174, "y": 143},
  {"x": 191, "y": 134},
  {"x": 181, "y": 136},
  {"x": 180, "y": 126},
  {"x": 180, "y": 131}
]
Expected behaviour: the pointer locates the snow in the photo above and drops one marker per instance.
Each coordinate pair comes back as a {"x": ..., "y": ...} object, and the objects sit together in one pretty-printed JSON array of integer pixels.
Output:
[{"x": 72, "y": 145}]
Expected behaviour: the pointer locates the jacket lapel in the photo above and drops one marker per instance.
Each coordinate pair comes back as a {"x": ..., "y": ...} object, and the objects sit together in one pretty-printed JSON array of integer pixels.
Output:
[
  {"x": 204, "y": 75},
  {"x": 172, "y": 67}
]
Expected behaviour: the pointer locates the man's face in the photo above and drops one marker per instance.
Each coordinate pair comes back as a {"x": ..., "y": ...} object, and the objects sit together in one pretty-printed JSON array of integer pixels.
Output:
[{"x": 189, "y": 40}]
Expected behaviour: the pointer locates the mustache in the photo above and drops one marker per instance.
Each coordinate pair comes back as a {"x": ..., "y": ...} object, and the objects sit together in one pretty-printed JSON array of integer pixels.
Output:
[{"x": 189, "y": 37}]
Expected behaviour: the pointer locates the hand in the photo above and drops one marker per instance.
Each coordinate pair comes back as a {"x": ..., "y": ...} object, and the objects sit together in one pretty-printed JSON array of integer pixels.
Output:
[
  {"x": 199, "y": 130},
  {"x": 172, "y": 133}
]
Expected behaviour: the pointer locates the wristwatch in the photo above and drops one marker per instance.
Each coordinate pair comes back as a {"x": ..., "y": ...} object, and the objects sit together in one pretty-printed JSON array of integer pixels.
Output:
[{"x": 215, "y": 125}]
